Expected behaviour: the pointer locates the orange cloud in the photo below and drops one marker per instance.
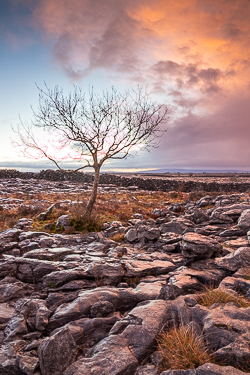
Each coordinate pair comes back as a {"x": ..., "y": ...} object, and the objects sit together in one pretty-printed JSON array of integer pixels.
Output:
[
  {"x": 132, "y": 35},
  {"x": 195, "y": 51}
]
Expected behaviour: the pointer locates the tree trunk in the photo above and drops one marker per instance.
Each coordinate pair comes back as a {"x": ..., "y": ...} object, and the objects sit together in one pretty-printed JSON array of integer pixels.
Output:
[{"x": 93, "y": 196}]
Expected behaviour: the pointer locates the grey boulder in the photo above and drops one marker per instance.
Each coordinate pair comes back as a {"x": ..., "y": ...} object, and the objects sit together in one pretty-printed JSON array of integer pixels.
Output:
[
  {"x": 206, "y": 369},
  {"x": 57, "y": 352},
  {"x": 244, "y": 220},
  {"x": 232, "y": 262},
  {"x": 197, "y": 246}
]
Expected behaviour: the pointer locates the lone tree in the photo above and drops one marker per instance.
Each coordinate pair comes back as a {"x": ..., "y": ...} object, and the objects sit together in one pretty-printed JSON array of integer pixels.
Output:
[{"x": 99, "y": 127}]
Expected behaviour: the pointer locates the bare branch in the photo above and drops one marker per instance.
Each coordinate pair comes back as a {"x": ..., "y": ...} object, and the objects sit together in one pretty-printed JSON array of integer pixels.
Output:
[{"x": 110, "y": 125}]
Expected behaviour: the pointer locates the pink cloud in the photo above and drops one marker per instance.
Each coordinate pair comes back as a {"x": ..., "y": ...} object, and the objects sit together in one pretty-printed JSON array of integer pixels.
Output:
[
  {"x": 131, "y": 36},
  {"x": 194, "y": 54}
]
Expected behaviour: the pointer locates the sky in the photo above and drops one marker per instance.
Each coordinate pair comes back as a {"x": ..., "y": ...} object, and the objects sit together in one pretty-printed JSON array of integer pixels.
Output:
[{"x": 192, "y": 55}]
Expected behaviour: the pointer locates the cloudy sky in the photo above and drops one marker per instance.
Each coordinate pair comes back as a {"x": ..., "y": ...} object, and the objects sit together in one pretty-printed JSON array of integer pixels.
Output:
[{"x": 193, "y": 55}]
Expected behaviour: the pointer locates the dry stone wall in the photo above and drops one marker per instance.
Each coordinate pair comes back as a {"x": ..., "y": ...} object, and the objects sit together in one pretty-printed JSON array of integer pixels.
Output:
[{"x": 142, "y": 182}]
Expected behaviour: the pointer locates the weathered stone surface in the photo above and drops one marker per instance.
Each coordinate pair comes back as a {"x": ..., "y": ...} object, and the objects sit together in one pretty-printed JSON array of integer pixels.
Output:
[
  {"x": 170, "y": 238},
  {"x": 206, "y": 201},
  {"x": 142, "y": 232},
  {"x": 142, "y": 268},
  {"x": 232, "y": 211},
  {"x": 27, "y": 364},
  {"x": 173, "y": 227},
  {"x": 187, "y": 280},
  {"x": 27, "y": 270},
  {"x": 101, "y": 309},
  {"x": 15, "y": 327},
  {"x": 144, "y": 324},
  {"x": 6, "y": 312},
  {"x": 208, "y": 230},
  {"x": 110, "y": 356},
  {"x": 57, "y": 278},
  {"x": 206, "y": 369},
  {"x": 80, "y": 307},
  {"x": 35, "y": 312},
  {"x": 88, "y": 332},
  {"x": 195, "y": 245},
  {"x": 54, "y": 300},
  {"x": 198, "y": 216},
  {"x": 141, "y": 328},
  {"x": 226, "y": 329},
  {"x": 131, "y": 235},
  {"x": 220, "y": 218},
  {"x": 239, "y": 242},
  {"x": 240, "y": 258},
  {"x": 44, "y": 215},
  {"x": 30, "y": 235},
  {"x": 11, "y": 289},
  {"x": 213, "y": 369},
  {"x": 148, "y": 291},
  {"x": 244, "y": 221},
  {"x": 74, "y": 285},
  {"x": 103, "y": 273},
  {"x": 54, "y": 254},
  {"x": 63, "y": 222},
  {"x": 9, "y": 358},
  {"x": 146, "y": 370},
  {"x": 179, "y": 372},
  {"x": 57, "y": 352},
  {"x": 238, "y": 284}
]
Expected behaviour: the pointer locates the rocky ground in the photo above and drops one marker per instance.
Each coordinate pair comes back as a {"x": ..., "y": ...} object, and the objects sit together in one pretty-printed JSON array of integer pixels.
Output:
[{"x": 85, "y": 304}]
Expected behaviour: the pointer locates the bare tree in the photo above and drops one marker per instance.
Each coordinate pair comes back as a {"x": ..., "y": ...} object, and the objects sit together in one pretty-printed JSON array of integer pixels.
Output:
[{"x": 99, "y": 127}]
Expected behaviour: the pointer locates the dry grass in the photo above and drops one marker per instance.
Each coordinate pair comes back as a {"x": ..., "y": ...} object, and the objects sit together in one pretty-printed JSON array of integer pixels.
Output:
[
  {"x": 133, "y": 280},
  {"x": 182, "y": 349},
  {"x": 109, "y": 207},
  {"x": 243, "y": 366},
  {"x": 219, "y": 295},
  {"x": 8, "y": 219},
  {"x": 196, "y": 195},
  {"x": 119, "y": 237}
]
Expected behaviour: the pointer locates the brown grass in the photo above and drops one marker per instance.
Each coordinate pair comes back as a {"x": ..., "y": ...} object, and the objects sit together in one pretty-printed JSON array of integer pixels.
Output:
[
  {"x": 119, "y": 237},
  {"x": 133, "y": 280},
  {"x": 243, "y": 366},
  {"x": 8, "y": 219},
  {"x": 182, "y": 349},
  {"x": 219, "y": 295},
  {"x": 196, "y": 195},
  {"x": 109, "y": 207}
]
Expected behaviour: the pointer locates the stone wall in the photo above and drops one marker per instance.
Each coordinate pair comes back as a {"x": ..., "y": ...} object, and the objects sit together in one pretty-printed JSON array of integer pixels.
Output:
[{"x": 145, "y": 183}]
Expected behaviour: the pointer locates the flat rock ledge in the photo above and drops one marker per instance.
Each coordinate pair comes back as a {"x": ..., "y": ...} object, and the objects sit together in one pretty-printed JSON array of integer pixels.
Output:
[{"x": 84, "y": 304}]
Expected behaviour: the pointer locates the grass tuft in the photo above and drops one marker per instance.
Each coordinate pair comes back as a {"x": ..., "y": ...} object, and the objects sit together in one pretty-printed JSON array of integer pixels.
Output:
[
  {"x": 182, "y": 349},
  {"x": 133, "y": 280},
  {"x": 219, "y": 295}
]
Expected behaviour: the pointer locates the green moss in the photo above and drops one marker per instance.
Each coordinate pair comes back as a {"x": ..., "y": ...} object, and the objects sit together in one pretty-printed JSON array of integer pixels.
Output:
[{"x": 51, "y": 285}]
